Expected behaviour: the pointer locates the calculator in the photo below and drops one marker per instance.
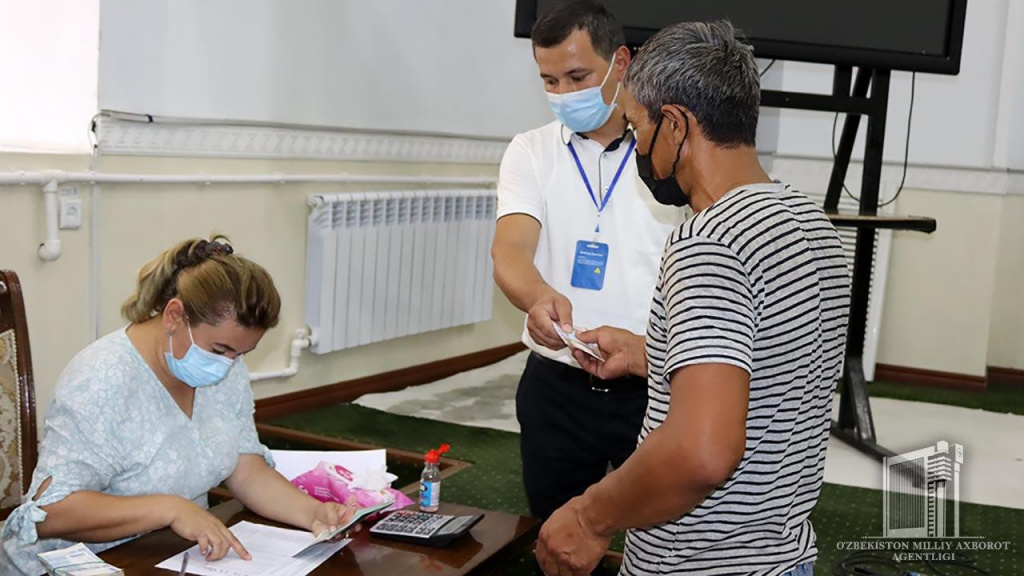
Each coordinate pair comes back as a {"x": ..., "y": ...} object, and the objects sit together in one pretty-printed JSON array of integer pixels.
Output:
[{"x": 437, "y": 530}]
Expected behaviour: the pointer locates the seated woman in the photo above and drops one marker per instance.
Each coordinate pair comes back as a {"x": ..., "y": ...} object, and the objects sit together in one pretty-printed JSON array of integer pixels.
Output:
[{"x": 146, "y": 420}]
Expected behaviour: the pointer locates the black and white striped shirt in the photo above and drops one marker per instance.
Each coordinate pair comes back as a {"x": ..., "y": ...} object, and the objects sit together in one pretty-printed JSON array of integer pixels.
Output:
[{"x": 758, "y": 280}]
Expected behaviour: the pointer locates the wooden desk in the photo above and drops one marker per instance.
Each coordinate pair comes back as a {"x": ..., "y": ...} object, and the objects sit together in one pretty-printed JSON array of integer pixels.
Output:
[{"x": 493, "y": 539}]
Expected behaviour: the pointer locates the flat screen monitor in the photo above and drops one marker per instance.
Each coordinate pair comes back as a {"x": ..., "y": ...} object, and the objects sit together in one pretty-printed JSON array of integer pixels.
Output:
[{"x": 910, "y": 35}]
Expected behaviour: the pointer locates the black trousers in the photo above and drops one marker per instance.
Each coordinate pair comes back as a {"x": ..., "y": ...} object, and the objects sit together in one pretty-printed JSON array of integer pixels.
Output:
[{"x": 573, "y": 428}]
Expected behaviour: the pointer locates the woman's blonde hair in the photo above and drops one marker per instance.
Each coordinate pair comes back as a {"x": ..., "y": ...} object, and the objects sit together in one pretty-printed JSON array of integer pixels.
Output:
[{"x": 211, "y": 280}]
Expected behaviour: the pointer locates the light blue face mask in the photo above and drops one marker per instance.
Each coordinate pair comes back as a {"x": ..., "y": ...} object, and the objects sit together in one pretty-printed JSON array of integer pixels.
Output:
[
  {"x": 198, "y": 368},
  {"x": 584, "y": 110}
]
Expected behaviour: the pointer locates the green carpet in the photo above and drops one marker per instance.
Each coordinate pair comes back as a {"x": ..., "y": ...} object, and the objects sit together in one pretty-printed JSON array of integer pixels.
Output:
[
  {"x": 494, "y": 482},
  {"x": 997, "y": 398}
]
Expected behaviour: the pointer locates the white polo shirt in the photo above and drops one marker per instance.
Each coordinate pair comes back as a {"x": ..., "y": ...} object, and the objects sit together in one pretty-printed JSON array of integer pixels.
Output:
[{"x": 539, "y": 178}]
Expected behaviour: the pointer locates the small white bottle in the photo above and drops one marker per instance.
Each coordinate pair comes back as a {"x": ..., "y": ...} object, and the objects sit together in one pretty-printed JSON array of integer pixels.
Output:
[{"x": 430, "y": 481}]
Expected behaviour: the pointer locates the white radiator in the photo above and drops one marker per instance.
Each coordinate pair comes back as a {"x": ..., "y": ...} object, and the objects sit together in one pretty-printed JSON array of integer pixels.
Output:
[{"x": 381, "y": 265}]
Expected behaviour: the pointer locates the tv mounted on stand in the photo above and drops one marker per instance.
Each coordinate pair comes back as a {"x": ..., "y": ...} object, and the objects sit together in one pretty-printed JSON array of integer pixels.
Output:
[{"x": 909, "y": 35}]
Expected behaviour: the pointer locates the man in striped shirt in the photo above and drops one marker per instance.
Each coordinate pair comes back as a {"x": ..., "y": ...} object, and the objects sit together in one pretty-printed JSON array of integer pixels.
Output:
[{"x": 744, "y": 344}]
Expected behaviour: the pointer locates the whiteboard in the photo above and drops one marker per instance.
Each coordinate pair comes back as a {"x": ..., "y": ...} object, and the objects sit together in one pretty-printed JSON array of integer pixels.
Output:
[{"x": 440, "y": 66}]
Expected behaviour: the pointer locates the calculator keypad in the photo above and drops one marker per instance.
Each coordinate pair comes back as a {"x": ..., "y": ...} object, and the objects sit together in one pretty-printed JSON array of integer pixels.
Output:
[{"x": 409, "y": 523}]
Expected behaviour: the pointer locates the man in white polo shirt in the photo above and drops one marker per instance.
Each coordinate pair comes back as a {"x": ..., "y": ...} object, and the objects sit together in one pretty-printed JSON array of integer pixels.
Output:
[{"x": 578, "y": 242}]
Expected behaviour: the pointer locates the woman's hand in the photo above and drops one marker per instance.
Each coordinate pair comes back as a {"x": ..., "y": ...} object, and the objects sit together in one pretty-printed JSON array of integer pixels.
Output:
[
  {"x": 264, "y": 491},
  {"x": 329, "y": 515},
  {"x": 193, "y": 523}
]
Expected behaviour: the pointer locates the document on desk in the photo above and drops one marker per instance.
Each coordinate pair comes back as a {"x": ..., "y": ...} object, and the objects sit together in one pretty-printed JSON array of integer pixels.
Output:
[{"x": 275, "y": 552}]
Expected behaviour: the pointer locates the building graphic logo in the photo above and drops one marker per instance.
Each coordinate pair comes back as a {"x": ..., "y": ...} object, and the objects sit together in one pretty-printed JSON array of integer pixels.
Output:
[{"x": 922, "y": 492}]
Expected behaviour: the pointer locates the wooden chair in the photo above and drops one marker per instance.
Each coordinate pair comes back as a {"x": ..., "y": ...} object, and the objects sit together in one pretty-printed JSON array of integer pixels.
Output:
[{"x": 18, "y": 447}]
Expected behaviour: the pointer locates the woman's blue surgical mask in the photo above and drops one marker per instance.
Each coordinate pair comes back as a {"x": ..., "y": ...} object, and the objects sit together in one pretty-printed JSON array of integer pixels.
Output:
[
  {"x": 198, "y": 368},
  {"x": 584, "y": 110}
]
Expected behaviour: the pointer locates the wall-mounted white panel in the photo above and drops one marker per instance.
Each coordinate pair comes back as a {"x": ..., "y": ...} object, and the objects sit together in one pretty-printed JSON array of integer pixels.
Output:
[{"x": 448, "y": 67}]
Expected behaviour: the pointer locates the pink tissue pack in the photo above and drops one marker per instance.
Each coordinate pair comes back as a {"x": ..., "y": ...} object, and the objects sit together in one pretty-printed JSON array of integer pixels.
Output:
[{"x": 333, "y": 483}]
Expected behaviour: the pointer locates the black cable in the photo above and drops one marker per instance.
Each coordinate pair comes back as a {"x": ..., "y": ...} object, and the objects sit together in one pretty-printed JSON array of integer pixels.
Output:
[
  {"x": 906, "y": 148},
  {"x": 767, "y": 68},
  {"x": 866, "y": 562},
  {"x": 962, "y": 561}
]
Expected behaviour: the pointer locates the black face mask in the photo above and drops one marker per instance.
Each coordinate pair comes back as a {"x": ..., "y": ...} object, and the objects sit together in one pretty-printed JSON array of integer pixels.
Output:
[{"x": 666, "y": 191}]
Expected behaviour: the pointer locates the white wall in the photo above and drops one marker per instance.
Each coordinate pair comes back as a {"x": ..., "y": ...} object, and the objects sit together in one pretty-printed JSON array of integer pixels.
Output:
[
  {"x": 448, "y": 67},
  {"x": 955, "y": 117},
  {"x": 1009, "y": 148},
  {"x": 48, "y": 58}
]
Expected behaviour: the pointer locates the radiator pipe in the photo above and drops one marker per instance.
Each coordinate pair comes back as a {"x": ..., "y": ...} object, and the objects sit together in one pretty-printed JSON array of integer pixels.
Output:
[
  {"x": 50, "y": 249},
  {"x": 300, "y": 343}
]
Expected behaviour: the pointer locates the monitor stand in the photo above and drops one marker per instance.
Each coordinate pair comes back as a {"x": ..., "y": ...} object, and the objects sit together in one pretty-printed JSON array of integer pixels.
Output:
[{"x": 855, "y": 425}]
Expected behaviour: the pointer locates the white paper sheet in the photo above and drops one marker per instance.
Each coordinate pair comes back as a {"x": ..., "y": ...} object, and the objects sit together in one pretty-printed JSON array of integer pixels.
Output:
[
  {"x": 272, "y": 551},
  {"x": 292, "y": 463}
]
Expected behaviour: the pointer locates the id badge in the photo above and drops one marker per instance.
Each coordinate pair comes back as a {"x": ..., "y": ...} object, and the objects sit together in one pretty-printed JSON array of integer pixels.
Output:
[{"x": 588, "y": 266}]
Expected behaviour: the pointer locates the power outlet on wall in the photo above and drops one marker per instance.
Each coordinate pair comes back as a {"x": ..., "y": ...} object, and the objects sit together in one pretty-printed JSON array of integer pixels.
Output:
[{"x": 70, "y": 215}]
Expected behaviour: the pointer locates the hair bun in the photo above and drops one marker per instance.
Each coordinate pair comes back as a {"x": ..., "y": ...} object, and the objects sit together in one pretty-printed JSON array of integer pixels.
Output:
[
  {"x": 215, "y": 247},
  {"x": 200, "y": 252}
]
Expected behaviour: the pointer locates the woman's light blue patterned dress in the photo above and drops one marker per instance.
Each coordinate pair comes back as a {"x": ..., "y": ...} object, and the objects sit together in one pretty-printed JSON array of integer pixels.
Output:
[{"x": 112, "y": 427}]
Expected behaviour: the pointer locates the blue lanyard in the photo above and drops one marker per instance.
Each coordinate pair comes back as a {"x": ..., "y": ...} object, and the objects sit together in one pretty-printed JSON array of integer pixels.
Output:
[{"x": 611, "y": 187}]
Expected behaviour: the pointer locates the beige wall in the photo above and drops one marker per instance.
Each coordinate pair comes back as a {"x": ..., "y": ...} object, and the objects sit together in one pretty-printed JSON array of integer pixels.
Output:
[
  {"x": 939, "y": 296},
  {"x": 266, "y": 223},
  {"x": 1006, "y": 338}
]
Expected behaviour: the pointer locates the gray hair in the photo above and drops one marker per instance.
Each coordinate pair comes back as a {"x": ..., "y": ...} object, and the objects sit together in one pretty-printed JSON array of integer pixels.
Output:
[{"x": 706, "y": 67}]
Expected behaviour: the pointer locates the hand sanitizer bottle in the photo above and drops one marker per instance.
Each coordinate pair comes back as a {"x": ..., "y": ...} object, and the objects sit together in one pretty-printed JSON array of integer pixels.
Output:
[{"x": 430, "y": 481}]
